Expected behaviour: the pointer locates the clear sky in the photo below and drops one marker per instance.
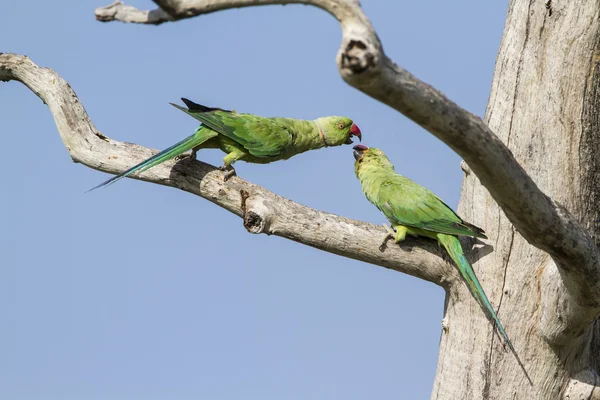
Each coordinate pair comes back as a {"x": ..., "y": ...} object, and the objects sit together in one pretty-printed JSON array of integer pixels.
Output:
[{"x": 139, "y": 291}]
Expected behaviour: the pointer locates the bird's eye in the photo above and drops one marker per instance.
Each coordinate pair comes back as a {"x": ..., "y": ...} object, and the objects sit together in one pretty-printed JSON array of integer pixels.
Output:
[{"x": 341, "y": 125}]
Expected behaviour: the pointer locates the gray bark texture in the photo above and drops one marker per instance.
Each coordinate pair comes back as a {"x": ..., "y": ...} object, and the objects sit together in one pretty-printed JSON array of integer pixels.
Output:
[
  {"x": 544, "y": 106},
  {"x": 532, "y": 172}
]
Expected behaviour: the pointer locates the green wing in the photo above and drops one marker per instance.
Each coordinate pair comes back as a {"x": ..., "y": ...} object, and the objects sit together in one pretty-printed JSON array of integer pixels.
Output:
[
  {"x": 261, "y": 137},
  {"x": 407, "y": 203}
]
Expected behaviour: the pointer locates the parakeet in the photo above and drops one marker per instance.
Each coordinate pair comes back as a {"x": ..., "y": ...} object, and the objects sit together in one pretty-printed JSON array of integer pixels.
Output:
[
  {"x": 414, "y": 210},
  {"x": 251, "y": 138}
]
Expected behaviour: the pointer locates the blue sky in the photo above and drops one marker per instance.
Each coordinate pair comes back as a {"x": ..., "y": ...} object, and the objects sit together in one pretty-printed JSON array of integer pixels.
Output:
[{"x": 139, "y": 291}]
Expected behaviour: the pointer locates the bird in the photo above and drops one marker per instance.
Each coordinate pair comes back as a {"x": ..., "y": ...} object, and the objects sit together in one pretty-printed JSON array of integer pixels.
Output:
[
  {"x": 414, "y": 210},
  {"x": 249, "y": 138}
]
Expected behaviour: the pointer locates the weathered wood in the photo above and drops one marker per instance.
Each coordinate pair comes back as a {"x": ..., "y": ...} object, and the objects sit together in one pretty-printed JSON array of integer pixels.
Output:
[
  {"x": 544, "y": 106},
  {"x": 532, "y": 182}
]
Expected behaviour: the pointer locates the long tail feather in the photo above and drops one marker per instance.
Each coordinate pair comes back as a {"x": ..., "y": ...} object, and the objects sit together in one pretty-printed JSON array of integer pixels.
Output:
[
  {"x": 454, "y": 248},
  {"x": 189, "y": 111},
  {"x": 178, "y": 148}
]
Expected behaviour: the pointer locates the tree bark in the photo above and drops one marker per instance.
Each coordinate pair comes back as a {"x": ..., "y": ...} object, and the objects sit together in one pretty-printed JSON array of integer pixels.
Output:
[
  {"x": 532, "y": 172},
  {"x": 544, "y": 106}
]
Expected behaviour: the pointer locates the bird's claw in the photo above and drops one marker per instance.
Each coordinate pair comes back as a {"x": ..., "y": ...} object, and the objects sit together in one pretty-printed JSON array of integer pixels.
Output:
[
  {"x": 191, "y": 156},
  {"x": 389, "y": 235},
  {"x": 229, "y": 172}
]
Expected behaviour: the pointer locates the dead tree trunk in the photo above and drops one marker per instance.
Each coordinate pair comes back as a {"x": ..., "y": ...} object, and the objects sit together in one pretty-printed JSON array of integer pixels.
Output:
[{"x": 544, "y": 105}]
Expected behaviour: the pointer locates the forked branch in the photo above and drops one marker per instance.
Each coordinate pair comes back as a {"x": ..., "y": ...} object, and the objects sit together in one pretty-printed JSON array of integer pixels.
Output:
[{"x": 363, "y": 64}]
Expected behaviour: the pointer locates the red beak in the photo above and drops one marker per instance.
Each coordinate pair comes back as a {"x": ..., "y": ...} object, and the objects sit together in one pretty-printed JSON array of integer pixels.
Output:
[{"x": 354, "y": 130}]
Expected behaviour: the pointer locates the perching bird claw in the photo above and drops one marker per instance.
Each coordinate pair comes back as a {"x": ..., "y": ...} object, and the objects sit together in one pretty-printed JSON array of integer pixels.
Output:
[
  {"x": 389, "y": 235},
  {"x": 191, "y": 156},
  {"x": 229, "y": 172}
]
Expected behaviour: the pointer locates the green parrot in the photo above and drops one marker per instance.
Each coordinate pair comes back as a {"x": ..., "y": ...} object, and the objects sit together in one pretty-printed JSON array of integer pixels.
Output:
[
  {"x": 250, "y": 138},
  {"x": 414, "y": 210}
]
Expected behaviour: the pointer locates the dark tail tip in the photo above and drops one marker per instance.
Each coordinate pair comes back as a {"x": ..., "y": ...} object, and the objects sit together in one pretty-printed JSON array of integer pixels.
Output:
[
  {"x": 108, "y": 182},
  {"x": 199, "y": 107},
  {"x": 194, "y": 106}
]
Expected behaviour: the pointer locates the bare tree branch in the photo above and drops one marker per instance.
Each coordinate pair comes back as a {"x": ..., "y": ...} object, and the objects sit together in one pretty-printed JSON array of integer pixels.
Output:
[
  {"x": 262, "y": 210},
  {"x": 118, "y": 11},
  {"x": 363, "y": 64},
  {"x": 173, "y": 10}
]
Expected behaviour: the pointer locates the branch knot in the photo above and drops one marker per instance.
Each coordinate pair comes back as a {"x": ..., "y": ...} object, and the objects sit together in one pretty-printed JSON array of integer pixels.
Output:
[
  {"x": 356, "y": 57},
  {"x": 255, "y": 214}
]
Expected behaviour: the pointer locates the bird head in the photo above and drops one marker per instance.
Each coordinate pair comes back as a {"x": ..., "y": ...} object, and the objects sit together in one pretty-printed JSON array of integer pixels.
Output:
[
  {"x": 370, "y": 156},
  {"x": 337, "y": 130},
  {"x": 359, "y": 151}
]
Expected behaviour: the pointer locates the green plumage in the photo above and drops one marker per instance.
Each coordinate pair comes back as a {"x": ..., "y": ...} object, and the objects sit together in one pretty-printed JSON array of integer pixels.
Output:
[
  {"x": 251, "y": 138},
  {"x": 414, "y": 210}
]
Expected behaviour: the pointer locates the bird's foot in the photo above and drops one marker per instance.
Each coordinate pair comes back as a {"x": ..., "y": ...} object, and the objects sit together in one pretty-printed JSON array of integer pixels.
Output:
[
  {"x": 191, "y": 156},
  {"x": 389, "y": 235},
  {"x": 182, "y": 157},
  {"x": 229, "y": 172}
]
